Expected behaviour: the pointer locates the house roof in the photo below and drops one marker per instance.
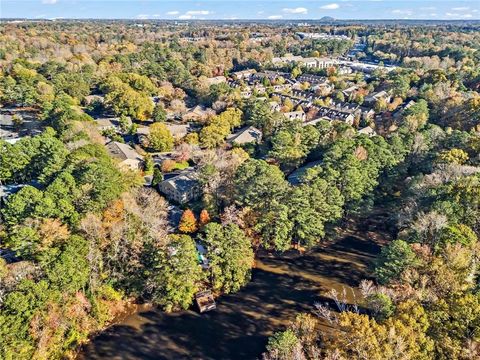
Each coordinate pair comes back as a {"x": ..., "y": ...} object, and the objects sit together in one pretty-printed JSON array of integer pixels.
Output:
[
  {"x": 105, "y": 122},
  {"x": 7, "y": 190},
  {"x": 376, "y": 96},
  {"x": 90, "y": 98},
  {"x": 143, "y": 130},
  {"x": 175, "y": 129},
  {"x": 184, "y": 181},
  {"x": 350, "y": 89},
  {"x": 122, "y": 151},
  {"x": 178, "y": 129},
  {"x": 216, "y": 80},
  {"x": 294, "y": 114},
  {"x": 312, "y": 78},
  {"x": 243, "y": 72},
  {"x": 6, "y": 120},
  {"x": 368, "y": 130},
  {"x": 245, "y": 135},
  {"x": 197, "y": 111},
  {"x": 295, "y": 177}
]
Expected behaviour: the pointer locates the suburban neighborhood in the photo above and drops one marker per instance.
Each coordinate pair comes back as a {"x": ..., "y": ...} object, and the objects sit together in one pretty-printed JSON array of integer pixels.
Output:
[{"x": 239, "y": 180}]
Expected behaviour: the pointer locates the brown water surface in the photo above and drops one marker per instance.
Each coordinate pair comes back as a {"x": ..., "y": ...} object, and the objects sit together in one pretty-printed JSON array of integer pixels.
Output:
[{"x": 281, "y": 287}]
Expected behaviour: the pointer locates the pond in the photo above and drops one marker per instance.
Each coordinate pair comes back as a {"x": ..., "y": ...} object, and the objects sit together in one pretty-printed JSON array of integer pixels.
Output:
[{"x": 281, "y": 287}]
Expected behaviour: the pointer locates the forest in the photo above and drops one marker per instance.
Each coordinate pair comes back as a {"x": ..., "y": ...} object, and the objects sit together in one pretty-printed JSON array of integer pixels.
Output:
[{"x": 82, "y": 238}]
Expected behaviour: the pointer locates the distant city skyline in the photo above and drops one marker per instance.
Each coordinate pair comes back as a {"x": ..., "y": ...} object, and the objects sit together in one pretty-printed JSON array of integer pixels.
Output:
[{"x": 246, "y": 9}]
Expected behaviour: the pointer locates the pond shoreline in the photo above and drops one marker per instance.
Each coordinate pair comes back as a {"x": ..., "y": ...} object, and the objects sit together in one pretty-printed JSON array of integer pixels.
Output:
[{"x": 281, "y": 287}]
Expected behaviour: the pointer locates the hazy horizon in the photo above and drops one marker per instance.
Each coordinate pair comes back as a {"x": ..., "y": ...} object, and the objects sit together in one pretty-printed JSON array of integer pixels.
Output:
[{"x": 297, "y": 10}]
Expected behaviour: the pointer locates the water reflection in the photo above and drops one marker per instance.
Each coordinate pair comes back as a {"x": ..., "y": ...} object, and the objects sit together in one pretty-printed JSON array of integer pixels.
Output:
[{"x": 280, "y": 288}]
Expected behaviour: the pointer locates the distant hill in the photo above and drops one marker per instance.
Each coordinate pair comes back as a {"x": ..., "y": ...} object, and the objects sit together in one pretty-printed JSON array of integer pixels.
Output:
[{"x": 327, "y": 18}]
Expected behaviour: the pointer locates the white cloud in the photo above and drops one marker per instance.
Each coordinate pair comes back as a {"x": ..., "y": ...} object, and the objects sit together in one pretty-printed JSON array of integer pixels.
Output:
[
  {"x": 428, "y": 8},
  {"x": 457, "y": 15},
  {"x": 330, "y": 6},
  {"x": 275, "y": 17},
  {"x": 49, "y": 2},
  {"x": 402, "y": 12},
  {"x": 173, "y": 12},
  {"x": 461, "y": 8},
  {"x": 298, "y": 10},
  {"x": 197, "y": 12},
  {"x": 433, "y": 14},
  {"x": 191, "y": 14},
  {"x": 260, "y": 12},
  {"x": 142, "y": 16}
]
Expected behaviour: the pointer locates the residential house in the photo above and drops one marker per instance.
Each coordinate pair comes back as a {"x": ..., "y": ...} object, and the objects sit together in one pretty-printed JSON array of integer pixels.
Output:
[
  {"x": 125, "y": 154},
  {"x": 365, "y": 67},
  {"x": 344, "y": 70},
  {"x": 7, "y": 190},
  {"x": 270, "y": 75},
  {"x": 399, "y": 112},
  {"x": 282, "y": 87},
  {"x": 325, "y": 63},
  {"x": 317, "y": 62},
  {"x": 245, "y": 94},
  {"x": 296, "y": 100},
  {"x": 312, "y": 79},
  {"x": 295, "y": 115},
  {"x": 215, "y": 80},
  {"x": 7, "y": 128},
  {"x": 350, "y": 90},
  {"x": 303, "y": 94},
  {"x": 274, "y": 106},
  {"x": 259, "y": 88},
  {"x": 322, "y": 89},
  {"x": 18, "y": 123},
  {"x": 295, "y": 178},
  {"x": 178, "y": 131},
  {"x": 197, "y": 113},
  {"x": 181, "y": 188},
  {"x": 368, "y": 130},
  {"x": 142, "y": 135},
  {"x": 373, "y": 98},
  {"x": 246, "y": 135},
  {"x": 313, "y": 36},
  {"x": 366, "y": 113},
  {"x": 308, "y": 62},
  {"x": 314, "y": 121},
  {"x": 89, "y": 99},
  {"x": 338, "y": 114},
  {"x": 287, "y": 59},
  {"x": 103, "y": 124},
  {"x": 243, "y": 74}
]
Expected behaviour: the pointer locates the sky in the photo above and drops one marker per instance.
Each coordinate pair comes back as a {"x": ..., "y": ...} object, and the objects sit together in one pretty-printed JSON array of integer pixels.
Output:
[{"x": 241, "y": 9}]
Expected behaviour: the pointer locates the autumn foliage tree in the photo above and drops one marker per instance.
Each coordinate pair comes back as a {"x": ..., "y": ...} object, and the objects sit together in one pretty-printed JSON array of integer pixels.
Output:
[
  {"x": 160, "y": 137},
  {"x": 204, "y": 217},
  {"x": 188, "y": 222}
]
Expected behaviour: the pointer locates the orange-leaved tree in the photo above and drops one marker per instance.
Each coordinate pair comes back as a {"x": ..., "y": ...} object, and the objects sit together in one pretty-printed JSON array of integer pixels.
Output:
[
  {"x": 204, "y": 217},
  {"x": 188, "y": 222}
]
